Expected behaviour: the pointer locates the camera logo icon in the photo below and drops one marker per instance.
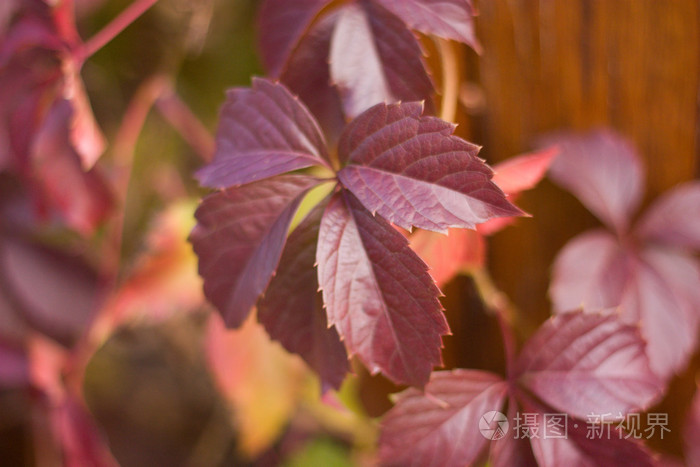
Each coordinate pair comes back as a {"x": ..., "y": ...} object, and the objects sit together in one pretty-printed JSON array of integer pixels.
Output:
[{"x": 493, "y": 425}]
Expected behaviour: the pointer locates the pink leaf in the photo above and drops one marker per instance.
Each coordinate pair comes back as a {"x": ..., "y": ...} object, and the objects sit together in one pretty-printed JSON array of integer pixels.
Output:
[
  {"x": 663, "y": 295},
  {"x": 523, "y": 172},
  {"x": 378, "y": 293},
  {"x": 513, "y": 450},
  {"x": 441, "y": 426},
  {"x": 264, "y": 131},
  {"x": 603, "y": 171},
  {"x": 583, "y": 363},
  {"x": 239, "y": 240},
  {"x": 413, "y": 172},
  {"x": 590, "y": 272},
  {"x": 374, "y": 58},
  {"x": 292, "y": 308},
  {"x": 674, "y": 219},
  {"x": 55, "y": 293},
  {"x": 579, "y": 449},
  {"x": 282, "y": 25},
  {"x": 655, "y": 287},
  {"x": 451, "y": 19}
]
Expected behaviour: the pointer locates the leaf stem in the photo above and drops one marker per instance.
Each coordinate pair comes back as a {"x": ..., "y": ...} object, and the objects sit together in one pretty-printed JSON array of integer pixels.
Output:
[
  {"x": 123, "y": 156},
  {"x": 450, "y": 79},
  {"x": 497, "y": 302},
  {"x": 116, "y": 26},
  {"x": 180, "y": 117}
]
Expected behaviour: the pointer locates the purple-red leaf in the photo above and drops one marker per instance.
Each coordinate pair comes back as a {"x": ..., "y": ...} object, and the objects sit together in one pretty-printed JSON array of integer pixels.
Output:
[
  {"x": 378, "y": 293},
  {"x": 577, "y": 364},
  {"x": 451, "y": 19},
  {"x": 264, "y": 131},
  {"x": 282, "y": 24},
  {"x": 413, "y": 172},
  {"x": 441, "y": 426},
  {"x": 54, "y": 292},
  {"x": 674, "y": 219},
  {"x": 590, "y": 272},
  {"x": 292, "y": 308},
  {"x": 578, "y": 448},
  {"x": 307, "y": 75},
  {"x": 239, "y": 239},
  {"x": 582, "y": 363},
  {"x": 374, "y": 58},
  {"x": 603, "y": 171}
]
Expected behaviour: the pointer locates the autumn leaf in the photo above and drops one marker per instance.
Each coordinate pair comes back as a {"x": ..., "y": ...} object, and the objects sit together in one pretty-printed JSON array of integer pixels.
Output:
[
  {"x": 410, "y": 170},
  {"x": 377, "y": 293},
  {"x": 576, "y": 364},
  {"x": 292, "y": 308},
  {"x": 239, "y": 239},
  {"x": 647, "y": 269},
  {"x": 357, "y": 53}
]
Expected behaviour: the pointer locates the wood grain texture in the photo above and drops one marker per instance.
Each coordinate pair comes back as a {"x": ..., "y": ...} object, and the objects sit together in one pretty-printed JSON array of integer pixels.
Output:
[{"x": 633, "y": 65}]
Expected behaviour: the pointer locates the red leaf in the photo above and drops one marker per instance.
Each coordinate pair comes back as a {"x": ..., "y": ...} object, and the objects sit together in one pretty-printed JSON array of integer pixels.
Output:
[
  {"x": 292, "y": 308},
  {"x": 523, "y": 172},
  {"x": 42, "y": 38},
  {"x": 603, "y": 171},
  {"x": 307, "y": 75},
  {"x": 581, "y": 450},
  {"x": 576, "y": 364},
  {"x": 374, "y": 58},
  {"x": 413, "y": 172},
  {"x": 451, "y": 19},
  {"x": 460, "y": 250},
  {"x": 674, "y": 219},
  {"x": 239, "y": 240},
  {"x": 82, "y": 197},
  {"x": 441, "y": 426},
  {"x": 590, "y": 272},
  {"x": 512, "y": 451},
  {"x": 378, "y": 293},
  {"x": 282, "y": 24},
  {"x": 582, "y": 363},
  {"x": 54, "y": 292},
  {"x": 264, "y": 131}
]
